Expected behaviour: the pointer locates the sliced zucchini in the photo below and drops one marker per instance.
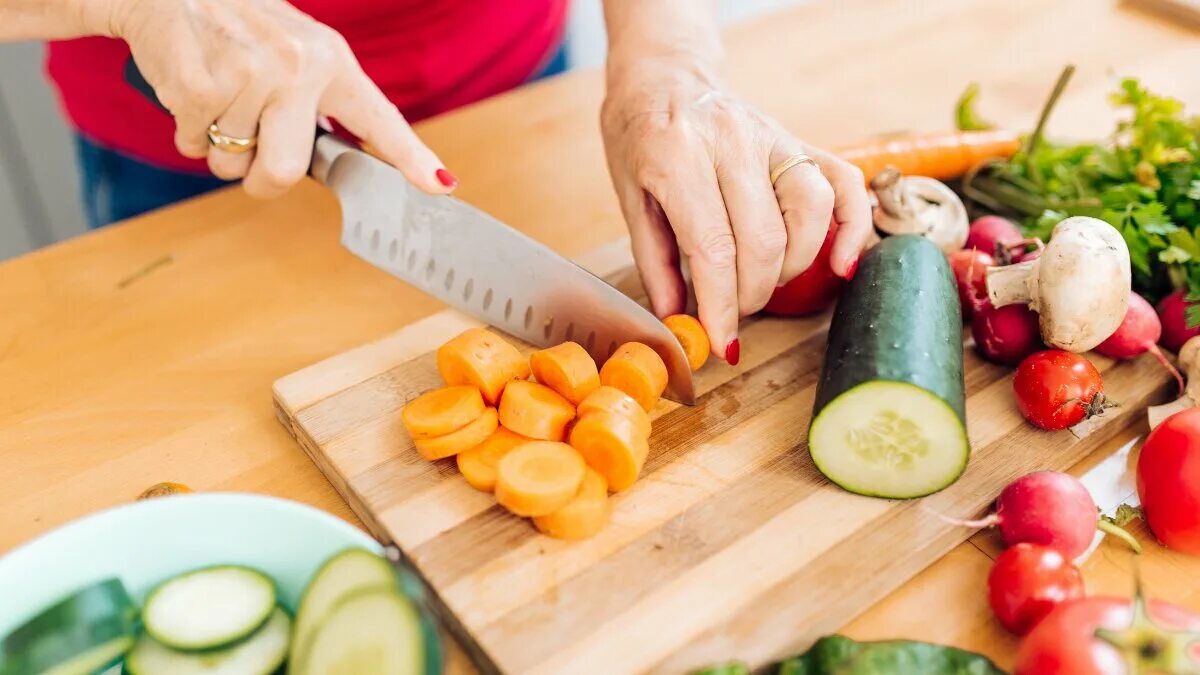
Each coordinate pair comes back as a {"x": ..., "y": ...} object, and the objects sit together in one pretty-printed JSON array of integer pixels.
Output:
[
  {"x": 375, "y": 631},
  {"x": 261, "y": 653},
  {"x": 85, "y": 632},
  {"x": 889, "y": 419},
  {"x": 344, "y": 573},
  {"x": 209, "y": 608}
]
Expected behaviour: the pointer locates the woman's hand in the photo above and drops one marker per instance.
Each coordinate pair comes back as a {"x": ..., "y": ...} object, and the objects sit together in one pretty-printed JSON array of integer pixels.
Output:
[{"x": 262, "y": 68}]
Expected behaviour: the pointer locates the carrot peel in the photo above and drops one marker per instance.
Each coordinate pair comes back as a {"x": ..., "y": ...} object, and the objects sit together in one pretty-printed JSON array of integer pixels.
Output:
[
  {"x": 567, "y": 369},
  {"x": 483, "y": 359},
  {"x": 535, "y": 410},
  {"x": 638, "y": 371},
  {"x": 612, "y": 446},
  {"x": 617, "y": 402}
]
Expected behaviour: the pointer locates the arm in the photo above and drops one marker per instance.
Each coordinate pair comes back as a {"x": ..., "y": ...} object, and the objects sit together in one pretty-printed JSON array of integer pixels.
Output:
[
  {"x": 691, "y": 162},
  {"x": 52, "y": 19}
]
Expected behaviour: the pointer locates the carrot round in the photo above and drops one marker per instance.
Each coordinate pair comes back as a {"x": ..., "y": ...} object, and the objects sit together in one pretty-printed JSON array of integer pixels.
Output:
[
  {"x": 535, "y": 410},
  {"x": 455, "y": 442},
  {"x": 567, "y": 369},
  {"x": 613, "y": 400},
  {"x": 478, "y": 465},
  {"x": 691, "y": 336},
  {"x": 638, "y": 371},
  {"x": 612, "y": 446},
  {"x": 441, "y": 411},
  {"x": 583, "y": 516},
  {"x": 538, "y": 478},
  {"x": 939, "y": 155},
  {"x": 481, "y": 358}
]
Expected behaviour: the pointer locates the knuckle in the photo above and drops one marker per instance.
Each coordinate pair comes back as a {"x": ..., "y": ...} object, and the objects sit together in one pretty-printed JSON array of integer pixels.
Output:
[
  {"x": 281, "y": 174},
  {"x": 717, "y": 249},
  {"x": 767, "y": 244}
]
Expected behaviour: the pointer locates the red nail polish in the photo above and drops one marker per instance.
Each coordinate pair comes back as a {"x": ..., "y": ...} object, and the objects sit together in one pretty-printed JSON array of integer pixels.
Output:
[
  {"x": 852, "y": 269},
  {"x": 733, "y": 352},
  {"x": 446, "y": 178}
]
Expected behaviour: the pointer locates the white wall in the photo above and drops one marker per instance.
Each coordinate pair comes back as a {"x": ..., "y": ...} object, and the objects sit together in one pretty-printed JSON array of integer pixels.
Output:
[{"x": 39, "y": 200}]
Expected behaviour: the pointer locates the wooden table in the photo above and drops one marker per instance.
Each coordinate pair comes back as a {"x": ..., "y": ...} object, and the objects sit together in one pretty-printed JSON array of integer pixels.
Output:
[{"x": 146, "y": 352}]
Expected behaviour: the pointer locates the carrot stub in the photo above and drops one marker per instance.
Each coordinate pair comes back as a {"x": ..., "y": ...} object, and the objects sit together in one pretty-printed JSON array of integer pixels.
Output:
[
  {"x": 583, "y": 516},
  {"x": 638, "y": 371},
  {"x": 455, "y": 442},
  {"x": 478, "y": 465},
  {"x": 538, "y": 478},
  {"x": 617, "y": 402},
  {"x": 441, "y": 411},
  {"x": 612, "y": 446},
  {"x": 535, "y": 410},
  {"x": 691, "y": 336},
  {"x": 481, "y": 358},
  {"x": 567, "y": 369}
]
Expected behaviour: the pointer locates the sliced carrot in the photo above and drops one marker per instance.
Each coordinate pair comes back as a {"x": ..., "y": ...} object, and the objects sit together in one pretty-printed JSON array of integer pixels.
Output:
[
  {"x": 483, "y": 359},
  {"x": 478, "y": 465},
  {"x": 535, "y": 410},
  {"x": 612, "y": 446},
  {"x": 441, "y": 411},
  {"x": 455, "y": 442},
  {"x": 613, "y": 400},
  {"x": 638, "y": 371},
  {"x": 567, "y": 369},
  {"x": 583, "y": 516},
  {"x": 538, "y": 478},
  {"x": 691, "y": 336}
]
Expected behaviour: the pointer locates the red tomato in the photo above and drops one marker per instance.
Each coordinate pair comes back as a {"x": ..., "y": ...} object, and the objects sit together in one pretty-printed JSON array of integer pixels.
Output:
[
  {"x": 1168, "y": 481},
  {"x": 814, "y": 290},
  {"x": 970, "y": 273},
  {"x": 1057, "y": 389},
  {"x": 1066, "y": 641},
  {"x": 1027, "y": 581}
]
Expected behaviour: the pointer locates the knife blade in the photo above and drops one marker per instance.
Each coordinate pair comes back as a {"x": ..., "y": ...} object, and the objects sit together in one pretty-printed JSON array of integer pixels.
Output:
[{"x": 483, "y": 267}]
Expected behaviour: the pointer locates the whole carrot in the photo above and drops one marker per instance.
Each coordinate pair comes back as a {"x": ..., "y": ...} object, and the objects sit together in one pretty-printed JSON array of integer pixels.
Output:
[{"x": 938, "y": 155}]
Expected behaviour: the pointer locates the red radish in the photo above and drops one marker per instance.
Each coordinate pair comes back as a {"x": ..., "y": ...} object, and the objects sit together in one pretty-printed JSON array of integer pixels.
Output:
[
  {"x": 1138, "y": 333},
  {"x": 988, "y": 232},
  {"x": 1168, "y": 481},
  {"x": 1172, "y": 312},
  {"x": 1051, "y": 509},
  {"x": 814, "y": 290},
  {"x": 1006, "y": 335},
  {"x": 1027, "y": 581},
  {"x": 970, "y": 273}
]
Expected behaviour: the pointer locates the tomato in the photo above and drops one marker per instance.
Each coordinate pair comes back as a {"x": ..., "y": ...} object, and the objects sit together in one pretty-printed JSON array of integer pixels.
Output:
[
  {"x": 970, "y": 273},
  {"x": 814, "y": 290},
  {"x": 1057, "y": 389},
  {"x": 1168, "y": 481},
  {"x": 1106, "y": 636},
  {"x": 1027, "y": 581}
]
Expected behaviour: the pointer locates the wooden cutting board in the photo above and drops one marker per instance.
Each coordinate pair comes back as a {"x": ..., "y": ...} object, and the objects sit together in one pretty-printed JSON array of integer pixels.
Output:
[{"x": 731, "y": 545}]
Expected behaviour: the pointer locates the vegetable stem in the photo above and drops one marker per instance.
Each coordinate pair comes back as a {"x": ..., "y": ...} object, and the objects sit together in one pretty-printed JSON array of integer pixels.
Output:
[
  {"x": 1035, "y": 138},
  {"x": 1120, "y": 533}
]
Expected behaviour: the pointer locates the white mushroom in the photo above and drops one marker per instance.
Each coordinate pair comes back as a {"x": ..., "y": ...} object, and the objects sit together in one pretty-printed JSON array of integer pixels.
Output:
[
  {"x": 1079, "y": 286},
  {"x": 1189, "y": 364},
  {"x": 919, "y": 205}
]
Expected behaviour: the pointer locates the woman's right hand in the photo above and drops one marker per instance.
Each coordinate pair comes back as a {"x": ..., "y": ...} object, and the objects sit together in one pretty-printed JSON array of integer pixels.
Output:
[{"x": 264, "y": 69}]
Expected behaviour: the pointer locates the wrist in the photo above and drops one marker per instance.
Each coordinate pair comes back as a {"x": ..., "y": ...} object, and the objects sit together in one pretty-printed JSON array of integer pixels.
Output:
[{"x": 92, "y": 17}]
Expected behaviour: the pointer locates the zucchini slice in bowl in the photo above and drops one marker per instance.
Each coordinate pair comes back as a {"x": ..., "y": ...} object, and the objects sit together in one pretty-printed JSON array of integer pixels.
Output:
[
  {"x": 209, "y": 608},
  {"x": 371, "y": 631},
  {"x": 259, "y": 654},
  {"x": 84, "y": 632}
]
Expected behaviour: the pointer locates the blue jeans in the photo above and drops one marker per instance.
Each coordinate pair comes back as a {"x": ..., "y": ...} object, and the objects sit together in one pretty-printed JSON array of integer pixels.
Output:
[{"x": 116, "y": 186}]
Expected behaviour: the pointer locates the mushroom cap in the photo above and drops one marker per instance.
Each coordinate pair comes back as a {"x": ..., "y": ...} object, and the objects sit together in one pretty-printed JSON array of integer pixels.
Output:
[
  {"x": 1082, "y": 288},
  {"x": 929, "y": 208}
]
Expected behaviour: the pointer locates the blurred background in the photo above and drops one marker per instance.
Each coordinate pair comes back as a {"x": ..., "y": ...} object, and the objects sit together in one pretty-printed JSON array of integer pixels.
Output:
[{"x": 38, "y": 188}]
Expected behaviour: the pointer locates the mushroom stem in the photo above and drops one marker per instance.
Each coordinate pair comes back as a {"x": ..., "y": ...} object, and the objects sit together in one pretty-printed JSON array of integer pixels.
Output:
[
  {"x": 894, "y": 200},
  {"x": 1012, "y": 284}
]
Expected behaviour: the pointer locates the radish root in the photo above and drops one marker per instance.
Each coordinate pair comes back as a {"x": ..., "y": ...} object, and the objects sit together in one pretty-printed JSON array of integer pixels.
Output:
[
  {"x": 1120, "y": 533},
  {"x": 990, "y": 521},
  {"x": 1157, "y": 353}
]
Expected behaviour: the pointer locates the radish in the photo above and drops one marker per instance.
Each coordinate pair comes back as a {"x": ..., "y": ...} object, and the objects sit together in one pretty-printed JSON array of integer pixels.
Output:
[
  {"x": 1052, "y": 509},
  {"x": 1172, "y": 312},
  {"x": 970, "y": 273},
  {"x": 1007, "y": 334},
  {"x": 1137, "y": 334},
  {"x": 988, "y": 233}
]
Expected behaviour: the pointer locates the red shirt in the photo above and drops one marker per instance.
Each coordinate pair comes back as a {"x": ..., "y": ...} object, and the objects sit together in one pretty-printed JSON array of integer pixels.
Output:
[{"x": 427, "y": 56}]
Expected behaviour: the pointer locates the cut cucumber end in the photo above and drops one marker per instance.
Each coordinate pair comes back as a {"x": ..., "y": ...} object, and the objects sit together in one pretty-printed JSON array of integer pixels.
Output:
[
  {"x": 209, "y": 608},
  {"x": 889, "y": 439}
]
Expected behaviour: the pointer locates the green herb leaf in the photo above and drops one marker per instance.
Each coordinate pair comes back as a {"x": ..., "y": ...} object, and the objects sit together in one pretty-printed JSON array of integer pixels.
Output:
[
  {"x": 965, "y": 117},
  {"x": 837, "y": 655},
  {"x": 1194, "y": 190}
]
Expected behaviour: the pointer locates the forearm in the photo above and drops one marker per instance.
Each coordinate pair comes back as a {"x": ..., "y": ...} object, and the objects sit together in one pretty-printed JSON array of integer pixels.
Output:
[
  {"x": 682, "y": 31},
  {"x": 53, "y": 19}
]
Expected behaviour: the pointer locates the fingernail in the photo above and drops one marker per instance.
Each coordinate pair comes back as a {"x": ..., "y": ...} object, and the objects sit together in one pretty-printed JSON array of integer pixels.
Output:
[
  {"x": 733, "y": 352},
  {"x": 446, "y": 178},
  {"x": 852, "y": 268}
]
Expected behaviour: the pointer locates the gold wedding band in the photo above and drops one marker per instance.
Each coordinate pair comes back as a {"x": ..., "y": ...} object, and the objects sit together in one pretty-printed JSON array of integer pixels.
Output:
[
  {"x": 790, "y": 162},
  {"x": 229, "y": 143}
]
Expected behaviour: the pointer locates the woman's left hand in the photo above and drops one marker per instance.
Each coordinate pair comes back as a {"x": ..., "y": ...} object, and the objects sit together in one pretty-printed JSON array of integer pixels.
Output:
[{"x": 691, "y": 166}]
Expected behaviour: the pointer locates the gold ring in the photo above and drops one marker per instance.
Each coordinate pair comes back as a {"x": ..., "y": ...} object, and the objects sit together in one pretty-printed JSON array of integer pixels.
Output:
[
  {"x": 229, "y": 143},
  {"x": 790, "y": 162}
]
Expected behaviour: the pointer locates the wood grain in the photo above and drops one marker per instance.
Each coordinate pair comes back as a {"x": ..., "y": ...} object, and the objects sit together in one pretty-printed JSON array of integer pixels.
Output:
[{"x": 730, "y": 544}]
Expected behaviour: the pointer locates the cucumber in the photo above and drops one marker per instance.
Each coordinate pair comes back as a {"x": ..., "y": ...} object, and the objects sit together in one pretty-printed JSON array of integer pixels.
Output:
[
  {"x": 209, "y": 608},
  {"x": 374, "y": 631},
  {"x": 889, "y": 419},
  {"x": 259, "y": 654},
  {"x": 344, "y": 573},
  {"x": 85, "y": 632}
]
